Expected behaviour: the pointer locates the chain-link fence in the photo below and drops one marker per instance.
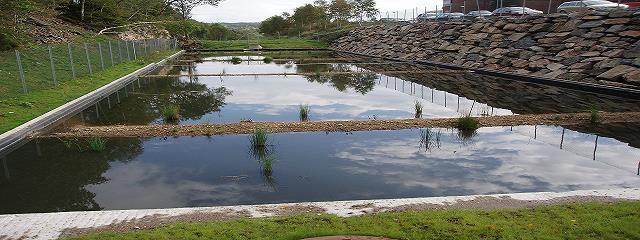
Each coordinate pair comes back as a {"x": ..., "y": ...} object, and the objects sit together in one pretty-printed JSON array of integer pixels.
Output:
[{"x": 45, "y": 66}]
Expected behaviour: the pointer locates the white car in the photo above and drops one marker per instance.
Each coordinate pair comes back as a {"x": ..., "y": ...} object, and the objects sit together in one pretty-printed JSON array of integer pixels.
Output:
[
  {"x": 481, "y": 13},
  {"x": 590, "y": 5}
]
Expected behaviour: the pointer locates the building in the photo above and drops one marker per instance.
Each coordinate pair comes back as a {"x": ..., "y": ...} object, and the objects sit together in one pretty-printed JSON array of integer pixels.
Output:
[{"x": 465, "y": 6}]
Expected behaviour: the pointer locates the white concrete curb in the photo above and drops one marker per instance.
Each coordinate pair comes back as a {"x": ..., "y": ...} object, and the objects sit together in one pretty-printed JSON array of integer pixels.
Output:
[
  {"x": 51, "y": 225},
  {"x": 16, "y": 135}
]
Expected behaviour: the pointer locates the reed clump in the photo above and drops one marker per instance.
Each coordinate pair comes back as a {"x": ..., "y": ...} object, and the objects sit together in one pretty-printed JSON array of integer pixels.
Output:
[
  {"x": 171, "y": 113},
  {"x": 304, "y": 113}
]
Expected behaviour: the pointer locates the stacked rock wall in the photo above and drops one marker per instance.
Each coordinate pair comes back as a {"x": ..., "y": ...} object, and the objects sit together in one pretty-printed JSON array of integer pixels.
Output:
[{"x": 600, "y": 47}]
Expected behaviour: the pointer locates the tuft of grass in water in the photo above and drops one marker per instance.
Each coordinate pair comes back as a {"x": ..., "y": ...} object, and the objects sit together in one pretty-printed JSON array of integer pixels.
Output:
[
  {"x": 467, "y": 123},
  {"x": 467, "y": 127},
  {"x": 171, "y": 113},
  {"x": 418, "y": 108},
  {"x": 97, "y": 144},
  {"x": 236, "y": 60},
  {"x": 259, "y": 138},
  {"x": 594, "y": 116},
  {"x": 70, "y": 143},
  {"x": 304, "y": 113},
  {"x": 267, "y": 165},
  {"x": 430, "y": 139},
  {"x": 267, "y": 60}
]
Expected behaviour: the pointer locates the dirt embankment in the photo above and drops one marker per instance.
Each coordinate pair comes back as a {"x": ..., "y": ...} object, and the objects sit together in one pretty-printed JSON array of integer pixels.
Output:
[{"x": 337, "y": 126}]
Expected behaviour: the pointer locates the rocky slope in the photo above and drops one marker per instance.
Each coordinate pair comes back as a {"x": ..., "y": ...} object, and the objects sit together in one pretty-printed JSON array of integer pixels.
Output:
[{"x": 599, "y": 47}]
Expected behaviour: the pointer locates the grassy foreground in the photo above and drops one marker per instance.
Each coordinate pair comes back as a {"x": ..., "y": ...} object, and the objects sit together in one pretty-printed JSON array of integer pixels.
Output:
[
  {"x": 572, "y": 221},
  {"x": 20, "y": 109},
  {"x": 265, "y": 43}
]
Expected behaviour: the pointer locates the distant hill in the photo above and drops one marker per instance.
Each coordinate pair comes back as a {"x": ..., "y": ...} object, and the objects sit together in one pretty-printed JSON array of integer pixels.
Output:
[{"x": 242, "y": 25}]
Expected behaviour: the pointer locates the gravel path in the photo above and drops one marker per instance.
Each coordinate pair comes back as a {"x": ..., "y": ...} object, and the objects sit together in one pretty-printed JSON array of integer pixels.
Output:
[{"x": 335, "y": 126}]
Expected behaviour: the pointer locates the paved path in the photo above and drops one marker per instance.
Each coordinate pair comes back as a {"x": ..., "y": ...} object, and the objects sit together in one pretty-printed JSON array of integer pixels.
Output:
[{"x": 52, "y": 225}]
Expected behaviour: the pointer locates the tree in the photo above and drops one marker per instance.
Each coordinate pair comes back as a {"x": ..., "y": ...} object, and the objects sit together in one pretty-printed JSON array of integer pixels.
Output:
[
  {"x": 184, "y": 7},
  {"x": 340, "y": 10},
  {"x": 364, "y": 8},
  {"x": 308, "y": 16},
  {"x": 275, "y": 26}
]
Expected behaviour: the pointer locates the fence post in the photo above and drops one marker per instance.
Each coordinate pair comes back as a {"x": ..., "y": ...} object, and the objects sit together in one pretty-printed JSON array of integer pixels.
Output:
[
  {"x": 73, "y": 68},
  {"x": 128, "y": 55},
  {"x": 86, "y": 51},
  {"x": 119, "y": 52},
  {"x": 133, "y": 45},
  {"x": 53, "y": 66},
  {"x": 21, "y": 70},
  {"x": 144, "y": 43},
  {"x": 111, "y": 53},
  {"x": 101, "y": 59}
]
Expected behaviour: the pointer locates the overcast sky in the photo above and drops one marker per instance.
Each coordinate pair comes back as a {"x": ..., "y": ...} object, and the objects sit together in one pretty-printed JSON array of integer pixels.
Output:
[{"x": 258, "y": 10}]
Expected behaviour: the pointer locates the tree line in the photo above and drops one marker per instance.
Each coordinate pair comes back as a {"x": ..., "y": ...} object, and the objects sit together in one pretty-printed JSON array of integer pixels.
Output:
[{"x": 320, "y": 15}]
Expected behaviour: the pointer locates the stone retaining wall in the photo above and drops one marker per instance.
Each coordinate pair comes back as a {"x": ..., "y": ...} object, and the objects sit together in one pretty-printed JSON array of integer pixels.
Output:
[{"x": 599, "y": 48}]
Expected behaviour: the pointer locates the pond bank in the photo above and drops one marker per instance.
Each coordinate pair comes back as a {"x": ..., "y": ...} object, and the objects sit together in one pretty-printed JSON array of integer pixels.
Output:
[{"x": 54, "y": 225}]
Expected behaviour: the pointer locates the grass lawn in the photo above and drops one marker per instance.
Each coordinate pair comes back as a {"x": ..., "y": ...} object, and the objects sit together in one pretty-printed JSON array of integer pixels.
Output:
[
  {"x": 572, "y": 221},
  {"x": 265, "y": 43},
  {"x": 18, "y": 109}
]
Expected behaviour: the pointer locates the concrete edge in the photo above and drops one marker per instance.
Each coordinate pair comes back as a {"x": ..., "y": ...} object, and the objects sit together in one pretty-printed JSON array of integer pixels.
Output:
[
  {"x": 52, "y": 225},
  {"x": 15, "y": 136},
  {"x": 582, "y": 86}
]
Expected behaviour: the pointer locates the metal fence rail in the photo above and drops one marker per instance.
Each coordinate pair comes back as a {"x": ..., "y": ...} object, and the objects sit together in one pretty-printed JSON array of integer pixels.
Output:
[{"x": 45, "y": 66}]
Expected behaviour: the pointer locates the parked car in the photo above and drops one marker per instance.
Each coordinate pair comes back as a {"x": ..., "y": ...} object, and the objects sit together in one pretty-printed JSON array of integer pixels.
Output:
[
  {"x": 633, "y": 5},
  {"x": 449, "y": 16},
  {"x": 481, "y": 13},
  {"x": 590, "y": 5},
  {"x": 388, "y": 20},
  {"x": 427, "y": 16},
  {"x": 515, "y": 11}
]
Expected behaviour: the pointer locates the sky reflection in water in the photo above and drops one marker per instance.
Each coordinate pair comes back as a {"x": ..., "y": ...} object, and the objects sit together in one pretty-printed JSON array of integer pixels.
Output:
[{"x": 201, "y": 171}]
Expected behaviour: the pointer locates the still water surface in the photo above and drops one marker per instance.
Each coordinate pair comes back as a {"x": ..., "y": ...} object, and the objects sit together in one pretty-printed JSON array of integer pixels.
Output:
[{"x": 45, "y": 176}]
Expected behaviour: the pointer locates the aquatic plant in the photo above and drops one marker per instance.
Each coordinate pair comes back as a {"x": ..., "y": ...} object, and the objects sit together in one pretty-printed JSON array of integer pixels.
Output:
[
  {"x": 236, "y": 60},
  {"x": 467, "y": 123},
  {"x": 171, "y": 113},
  {"x": 70, "y": 143},
  {"x": 304, "y": 113},
  {"x": 430, "y": 139},
  {"x": 418, "y": 108},
  {"x": 267, "y": 165},
  {"x": 97, "y": 144},
  {"x": 467, "y": 127},
  {"x": 267, "y": 60},
  {"x": 259, "y": 138},
  {"x": 466, "y": 135}
]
